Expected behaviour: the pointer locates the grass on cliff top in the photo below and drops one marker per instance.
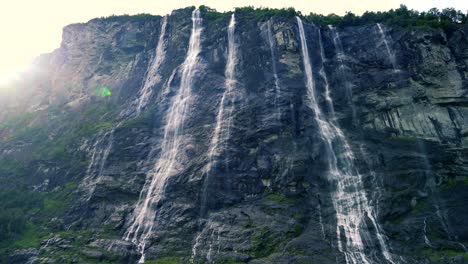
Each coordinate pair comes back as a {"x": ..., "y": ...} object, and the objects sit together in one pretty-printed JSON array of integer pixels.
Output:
[{"x": 448, "y": 19}]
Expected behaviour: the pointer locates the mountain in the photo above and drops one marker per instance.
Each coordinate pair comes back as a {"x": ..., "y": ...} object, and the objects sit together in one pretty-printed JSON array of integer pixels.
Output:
[{"x": 250, "y": 136}]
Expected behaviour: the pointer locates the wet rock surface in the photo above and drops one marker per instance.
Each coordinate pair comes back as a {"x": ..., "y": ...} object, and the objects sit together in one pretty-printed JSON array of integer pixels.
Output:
[{"x": 269, "y": 197}]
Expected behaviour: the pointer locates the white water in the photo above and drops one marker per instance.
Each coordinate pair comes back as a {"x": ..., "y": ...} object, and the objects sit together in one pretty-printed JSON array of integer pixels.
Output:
[
  {"x": 195, "y": 247},
  {"x": 153, "y": 75},
  {"x": 463, "y": 246},
  {"x": 322, "y": 228},
  {"x": 98, "y": 160},
  {"x": 323, "y": 74},
  {"x": 211, "y": 235},
  {"x": 349, "y": 198},
  {"x": 99, "y": 155},
  {"x": 390, "y": 54},
  {"x": 377, "y": 186},
  {"x": 230, "y": 72},
  {"x": 168, "y": 164},
  {"x": 342, "y": 67},
  {"x": 426, "y": 240},
  {"x": 224, "y": 116},
  {"x": 271, "y": 43}
]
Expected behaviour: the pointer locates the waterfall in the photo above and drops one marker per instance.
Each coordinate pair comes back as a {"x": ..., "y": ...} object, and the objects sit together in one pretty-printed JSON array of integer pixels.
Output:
[
  {"x": 426, "y": 240},
  {"x": 223, "y": 118},
  {"x": 390, "y": 54},
  {"x": 322, "y": 228},
  {"x": 323, "y": 74},
  {"x": 230, "y": 71},
  {"x": 153, "y": 75},
  {"x": 349, "y": 199},
  {"x": 168, "y": 163},
  {"x": 271, "y": 43},
  {"x": 342, "y": 68},
  {"x": 212, "y": 236},
  {"x": 98, "y": 154}
]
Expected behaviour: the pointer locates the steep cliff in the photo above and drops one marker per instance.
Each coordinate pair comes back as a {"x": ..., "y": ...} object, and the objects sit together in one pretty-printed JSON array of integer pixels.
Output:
[{"x": 228, "y": 138}]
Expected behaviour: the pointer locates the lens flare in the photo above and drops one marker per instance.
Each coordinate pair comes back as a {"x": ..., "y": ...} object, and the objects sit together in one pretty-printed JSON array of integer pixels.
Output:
[{"x": 102, "y": 91}]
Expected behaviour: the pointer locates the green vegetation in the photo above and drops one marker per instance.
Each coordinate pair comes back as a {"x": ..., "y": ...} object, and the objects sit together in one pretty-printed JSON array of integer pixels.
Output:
[
  {"x": 42, "y": 137},
  {"x": 125, "y": 18},
  {"x": 168, "y": 260},
  {"x": 420, "y": 206},
  {"x": 436, "y": 256},
  {"x": 15, "y": 204},
  {"x": 228, "y": 260},
  {"x": 280, "y": 198},
  {"x": 448, "y": 19},
  {"x": 213, "y": 15},
  {"x": 263, "y": 243},
  {"x": 25, "y": 216},
  {"x": 250, "y": 12}
]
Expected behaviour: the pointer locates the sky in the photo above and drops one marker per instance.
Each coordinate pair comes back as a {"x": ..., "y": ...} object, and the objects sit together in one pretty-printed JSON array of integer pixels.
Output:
[{"x": 29, "y": 28}]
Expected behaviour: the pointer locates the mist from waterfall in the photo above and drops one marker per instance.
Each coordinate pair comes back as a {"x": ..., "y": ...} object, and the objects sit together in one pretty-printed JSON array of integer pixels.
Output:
[
  {"x": 169, "y": 162},
  {"x": 349, "y": 198}
]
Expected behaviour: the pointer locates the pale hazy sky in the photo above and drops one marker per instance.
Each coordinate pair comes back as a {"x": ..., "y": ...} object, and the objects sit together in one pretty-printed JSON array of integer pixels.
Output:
[{"x": 32, "y": 27}]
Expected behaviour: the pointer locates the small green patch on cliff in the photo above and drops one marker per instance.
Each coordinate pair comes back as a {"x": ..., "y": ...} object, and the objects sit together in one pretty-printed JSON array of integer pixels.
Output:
[{"x": 25, "y": 216}]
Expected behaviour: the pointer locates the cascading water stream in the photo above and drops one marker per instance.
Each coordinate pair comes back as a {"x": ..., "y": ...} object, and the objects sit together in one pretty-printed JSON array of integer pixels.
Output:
[
  {"x": 168, "y": 163},
  {"x": 427, "y": 167},
  {"x": 153, "y": 75},
  {"x": 223, "y": 121},
  {"x": 99, "y": 155},
  {"x": 349, "y": 199},
  {"x": 342, "y": 69},
  {"x": 390, "y": 54},
  {"x": 223, "y": 118},
  {"x": 230, "y": 81},
  {"x": 322, "y": 73},
  {"x": 271, "y": 43},
  {"x": 426, "y": 240}
]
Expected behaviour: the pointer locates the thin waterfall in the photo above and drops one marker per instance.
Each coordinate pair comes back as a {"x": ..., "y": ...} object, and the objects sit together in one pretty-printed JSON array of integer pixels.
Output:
[
  {"x": 342, "y": 68},
  {"x": 223, "y": 118},
  {"x": 430, "y": 175},
  {"x": 153, "y": 75},
  {"x": 230, "y": 68},
  {"x": 323, "y": 74},
  {"x": 271, "y": 43},
  {"x": 98, "y": 159},
  {"x": 169, "y": 162},
  {"x": 99, "y": 155},
  {"x": 349, "y": 199},
  {"x": 221, "y": 132},
  {"x": 390, "y": 54},
  {"x": 212, "y": 236},
  {"x": 322, "y": 227},
  {"x": 426, "y": 240}
]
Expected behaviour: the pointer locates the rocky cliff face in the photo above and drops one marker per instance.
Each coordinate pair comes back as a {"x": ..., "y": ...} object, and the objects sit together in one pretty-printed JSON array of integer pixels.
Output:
[{"x": 219, "y": 143}]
